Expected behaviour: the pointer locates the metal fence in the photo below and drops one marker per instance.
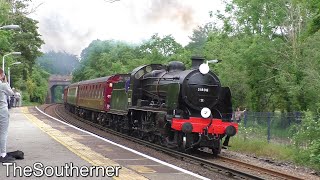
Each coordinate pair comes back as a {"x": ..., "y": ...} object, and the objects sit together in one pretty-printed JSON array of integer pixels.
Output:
[{"x": 271, "y": 126}]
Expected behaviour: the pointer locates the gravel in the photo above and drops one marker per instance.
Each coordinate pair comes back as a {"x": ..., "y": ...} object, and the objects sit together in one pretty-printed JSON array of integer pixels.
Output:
[{"x": 267, "y": 162}]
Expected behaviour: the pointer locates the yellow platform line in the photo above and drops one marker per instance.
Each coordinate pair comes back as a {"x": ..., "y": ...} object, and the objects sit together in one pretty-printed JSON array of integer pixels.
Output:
[{"x": 80, "y": 149}]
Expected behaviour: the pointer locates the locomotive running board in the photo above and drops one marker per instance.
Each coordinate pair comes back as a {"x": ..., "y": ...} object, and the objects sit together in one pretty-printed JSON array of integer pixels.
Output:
[{"x": 147, "y": 109}]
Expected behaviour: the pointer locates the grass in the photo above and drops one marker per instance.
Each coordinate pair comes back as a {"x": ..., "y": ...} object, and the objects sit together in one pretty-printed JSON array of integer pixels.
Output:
[
  {"x": 262, "y": 148},
  {"x": 26, "y": 103}
]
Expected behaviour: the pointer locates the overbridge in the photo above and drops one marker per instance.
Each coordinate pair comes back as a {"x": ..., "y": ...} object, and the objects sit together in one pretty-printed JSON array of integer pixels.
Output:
[{"x": 54, "y": 82}]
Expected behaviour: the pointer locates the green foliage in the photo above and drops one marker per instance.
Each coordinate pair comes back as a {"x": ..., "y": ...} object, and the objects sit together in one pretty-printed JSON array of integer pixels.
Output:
[
  {"x": 58, "y": 62},
  {"x": 4, "y": 10},
  {"x": 199, "y": 38},
  {"x": 267, "y": 54},
  {"x": 26, "y": 40},
  {"x": 165, "y": 46},
  {"x": 307, "y": 131},
  {"x": 25, "y": 97},
  {"x": 231, "y": 70},
  {"x": 305, "y": 149},
  {"x": 306, "y": 138},
  {"x": 5, "y": 36},
  {"x": 262, "y": 148},
  {"x": 102, "y": 58},
  {"x": 58, "y": 91},
  {"x": 315, "y": 152},
  {"x": 37, "y": 85}
]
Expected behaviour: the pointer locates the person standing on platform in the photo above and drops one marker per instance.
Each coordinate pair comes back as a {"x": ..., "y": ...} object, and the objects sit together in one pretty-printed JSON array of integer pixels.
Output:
[
  {"x": 17, "y": 97},
  {"x": 5, "y": 91}
]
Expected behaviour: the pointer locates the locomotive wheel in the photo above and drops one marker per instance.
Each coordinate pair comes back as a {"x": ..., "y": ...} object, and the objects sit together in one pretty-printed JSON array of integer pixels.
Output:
[
  {"x": 141, "y": 135},
  {"x": 193, "y": 149},
  {"x": 182, "y": 142},
  {"x": 151, "y": 137},
  {"x": 117, "y": 123},
  {"x": 93, "y": 117},
  {"x": 160, "y": 140},
  {"x": 101, "y": 119},
  {"x": 216, "y": 147}
]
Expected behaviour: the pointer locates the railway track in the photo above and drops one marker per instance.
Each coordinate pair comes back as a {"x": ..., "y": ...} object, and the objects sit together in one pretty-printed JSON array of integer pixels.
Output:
[
  {"x": 47, "y": 106},
  {"x": 259, "y": 169},
  {"x": 226, "y": 166}
]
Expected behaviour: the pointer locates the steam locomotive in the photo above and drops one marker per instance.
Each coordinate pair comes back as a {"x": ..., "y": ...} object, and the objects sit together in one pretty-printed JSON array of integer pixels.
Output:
[{"x": 167, "y": 104}]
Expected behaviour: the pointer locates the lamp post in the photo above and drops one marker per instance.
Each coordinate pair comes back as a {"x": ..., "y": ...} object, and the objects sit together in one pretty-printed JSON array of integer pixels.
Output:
[
  {"x": 12, "y": 26},
  {"x": 12, "y": 53},
  {"x": 9, "y": 71}
]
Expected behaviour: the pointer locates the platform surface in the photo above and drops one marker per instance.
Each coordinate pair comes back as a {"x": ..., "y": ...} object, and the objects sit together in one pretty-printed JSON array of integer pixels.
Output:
[{"x": 51, "y": 145}]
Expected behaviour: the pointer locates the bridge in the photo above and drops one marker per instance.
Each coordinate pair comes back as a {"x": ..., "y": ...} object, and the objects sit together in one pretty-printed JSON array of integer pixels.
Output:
[{"x": 54, "y": 82}]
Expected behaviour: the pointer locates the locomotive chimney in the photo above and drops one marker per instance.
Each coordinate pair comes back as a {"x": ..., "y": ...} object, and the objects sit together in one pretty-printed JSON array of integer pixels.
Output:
[{"x": 196, "y": 61}]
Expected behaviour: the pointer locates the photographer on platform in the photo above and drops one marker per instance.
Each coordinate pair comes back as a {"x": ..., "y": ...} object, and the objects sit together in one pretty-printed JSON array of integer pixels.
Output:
[{"x": 5, "y": 92}]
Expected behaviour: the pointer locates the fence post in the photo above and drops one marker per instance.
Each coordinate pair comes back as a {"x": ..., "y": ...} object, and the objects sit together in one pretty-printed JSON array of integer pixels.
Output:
[
  {"x": 245, "y": 119},
  {"x": 269, "y": 126}
]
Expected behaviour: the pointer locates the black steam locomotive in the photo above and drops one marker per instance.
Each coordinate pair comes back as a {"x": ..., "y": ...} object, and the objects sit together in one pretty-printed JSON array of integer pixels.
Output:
[{"x": 179, "y": 108}]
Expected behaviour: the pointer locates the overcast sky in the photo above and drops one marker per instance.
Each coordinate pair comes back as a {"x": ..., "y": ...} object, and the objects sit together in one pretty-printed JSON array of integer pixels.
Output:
[{"x": 70, "y": 25}]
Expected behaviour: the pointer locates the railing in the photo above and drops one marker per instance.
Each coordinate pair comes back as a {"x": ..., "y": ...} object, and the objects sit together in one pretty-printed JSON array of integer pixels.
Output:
[{"x": 270, "y": 126}]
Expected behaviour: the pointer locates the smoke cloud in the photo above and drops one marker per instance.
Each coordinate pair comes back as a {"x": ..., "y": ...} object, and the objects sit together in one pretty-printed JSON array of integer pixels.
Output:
[
  {"x": 60, "y": 35},
  {"x": 173, "y": 10},
  {"x": 70, "y": 27}
]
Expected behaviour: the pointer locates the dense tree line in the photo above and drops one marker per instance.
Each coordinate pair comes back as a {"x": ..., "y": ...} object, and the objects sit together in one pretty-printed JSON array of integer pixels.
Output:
[
  {"x": 27, "y": 41},
  {"x": 61, "y": 63},
  {"x": 270, "y": 46},
  {"x": 102, "y": 58}
]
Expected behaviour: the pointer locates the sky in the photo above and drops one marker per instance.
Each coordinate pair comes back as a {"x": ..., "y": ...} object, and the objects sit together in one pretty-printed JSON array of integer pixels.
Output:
[{"x": 70, "y": 25}]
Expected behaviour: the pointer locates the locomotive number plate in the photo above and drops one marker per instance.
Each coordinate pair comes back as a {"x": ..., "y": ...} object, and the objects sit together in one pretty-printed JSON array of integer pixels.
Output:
[{"x": 203, "y": 90}]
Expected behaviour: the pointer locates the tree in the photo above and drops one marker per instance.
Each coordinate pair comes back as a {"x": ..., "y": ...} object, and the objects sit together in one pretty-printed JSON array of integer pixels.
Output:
[
  {"x": 199, "y": 38},
  {"x": 102, "y": 58},
  {"x": 5, "y": 36},
  {"x": 158, "y": 46},
  {"x": 58, "y": 62},
  {"x": 27, "y": 40}
]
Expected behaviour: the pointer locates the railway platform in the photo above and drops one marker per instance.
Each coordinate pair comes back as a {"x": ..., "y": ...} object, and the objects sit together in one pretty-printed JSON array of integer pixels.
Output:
[{"x": 53, "y": 149}]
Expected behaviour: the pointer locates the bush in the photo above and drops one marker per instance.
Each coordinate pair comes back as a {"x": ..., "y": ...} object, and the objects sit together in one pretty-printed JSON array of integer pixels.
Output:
[{"x": 307, "y": 138}]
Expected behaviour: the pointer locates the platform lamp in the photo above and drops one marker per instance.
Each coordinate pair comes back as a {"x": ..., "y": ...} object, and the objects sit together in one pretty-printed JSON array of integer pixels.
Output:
[
  {"x": 12, "y": 26},
  {"x": 9, "y": 71},
  {"x": 12, "y": 53}
]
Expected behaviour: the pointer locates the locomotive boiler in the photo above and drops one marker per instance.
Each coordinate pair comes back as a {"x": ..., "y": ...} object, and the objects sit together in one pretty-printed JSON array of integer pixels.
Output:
[{"x": 185, "y": 91}]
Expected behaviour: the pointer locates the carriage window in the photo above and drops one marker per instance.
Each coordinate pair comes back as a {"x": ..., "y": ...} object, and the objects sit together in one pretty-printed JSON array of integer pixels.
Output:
[
  {"x": 91, "y": 91},
  {"x": 96, "y": 92}
]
